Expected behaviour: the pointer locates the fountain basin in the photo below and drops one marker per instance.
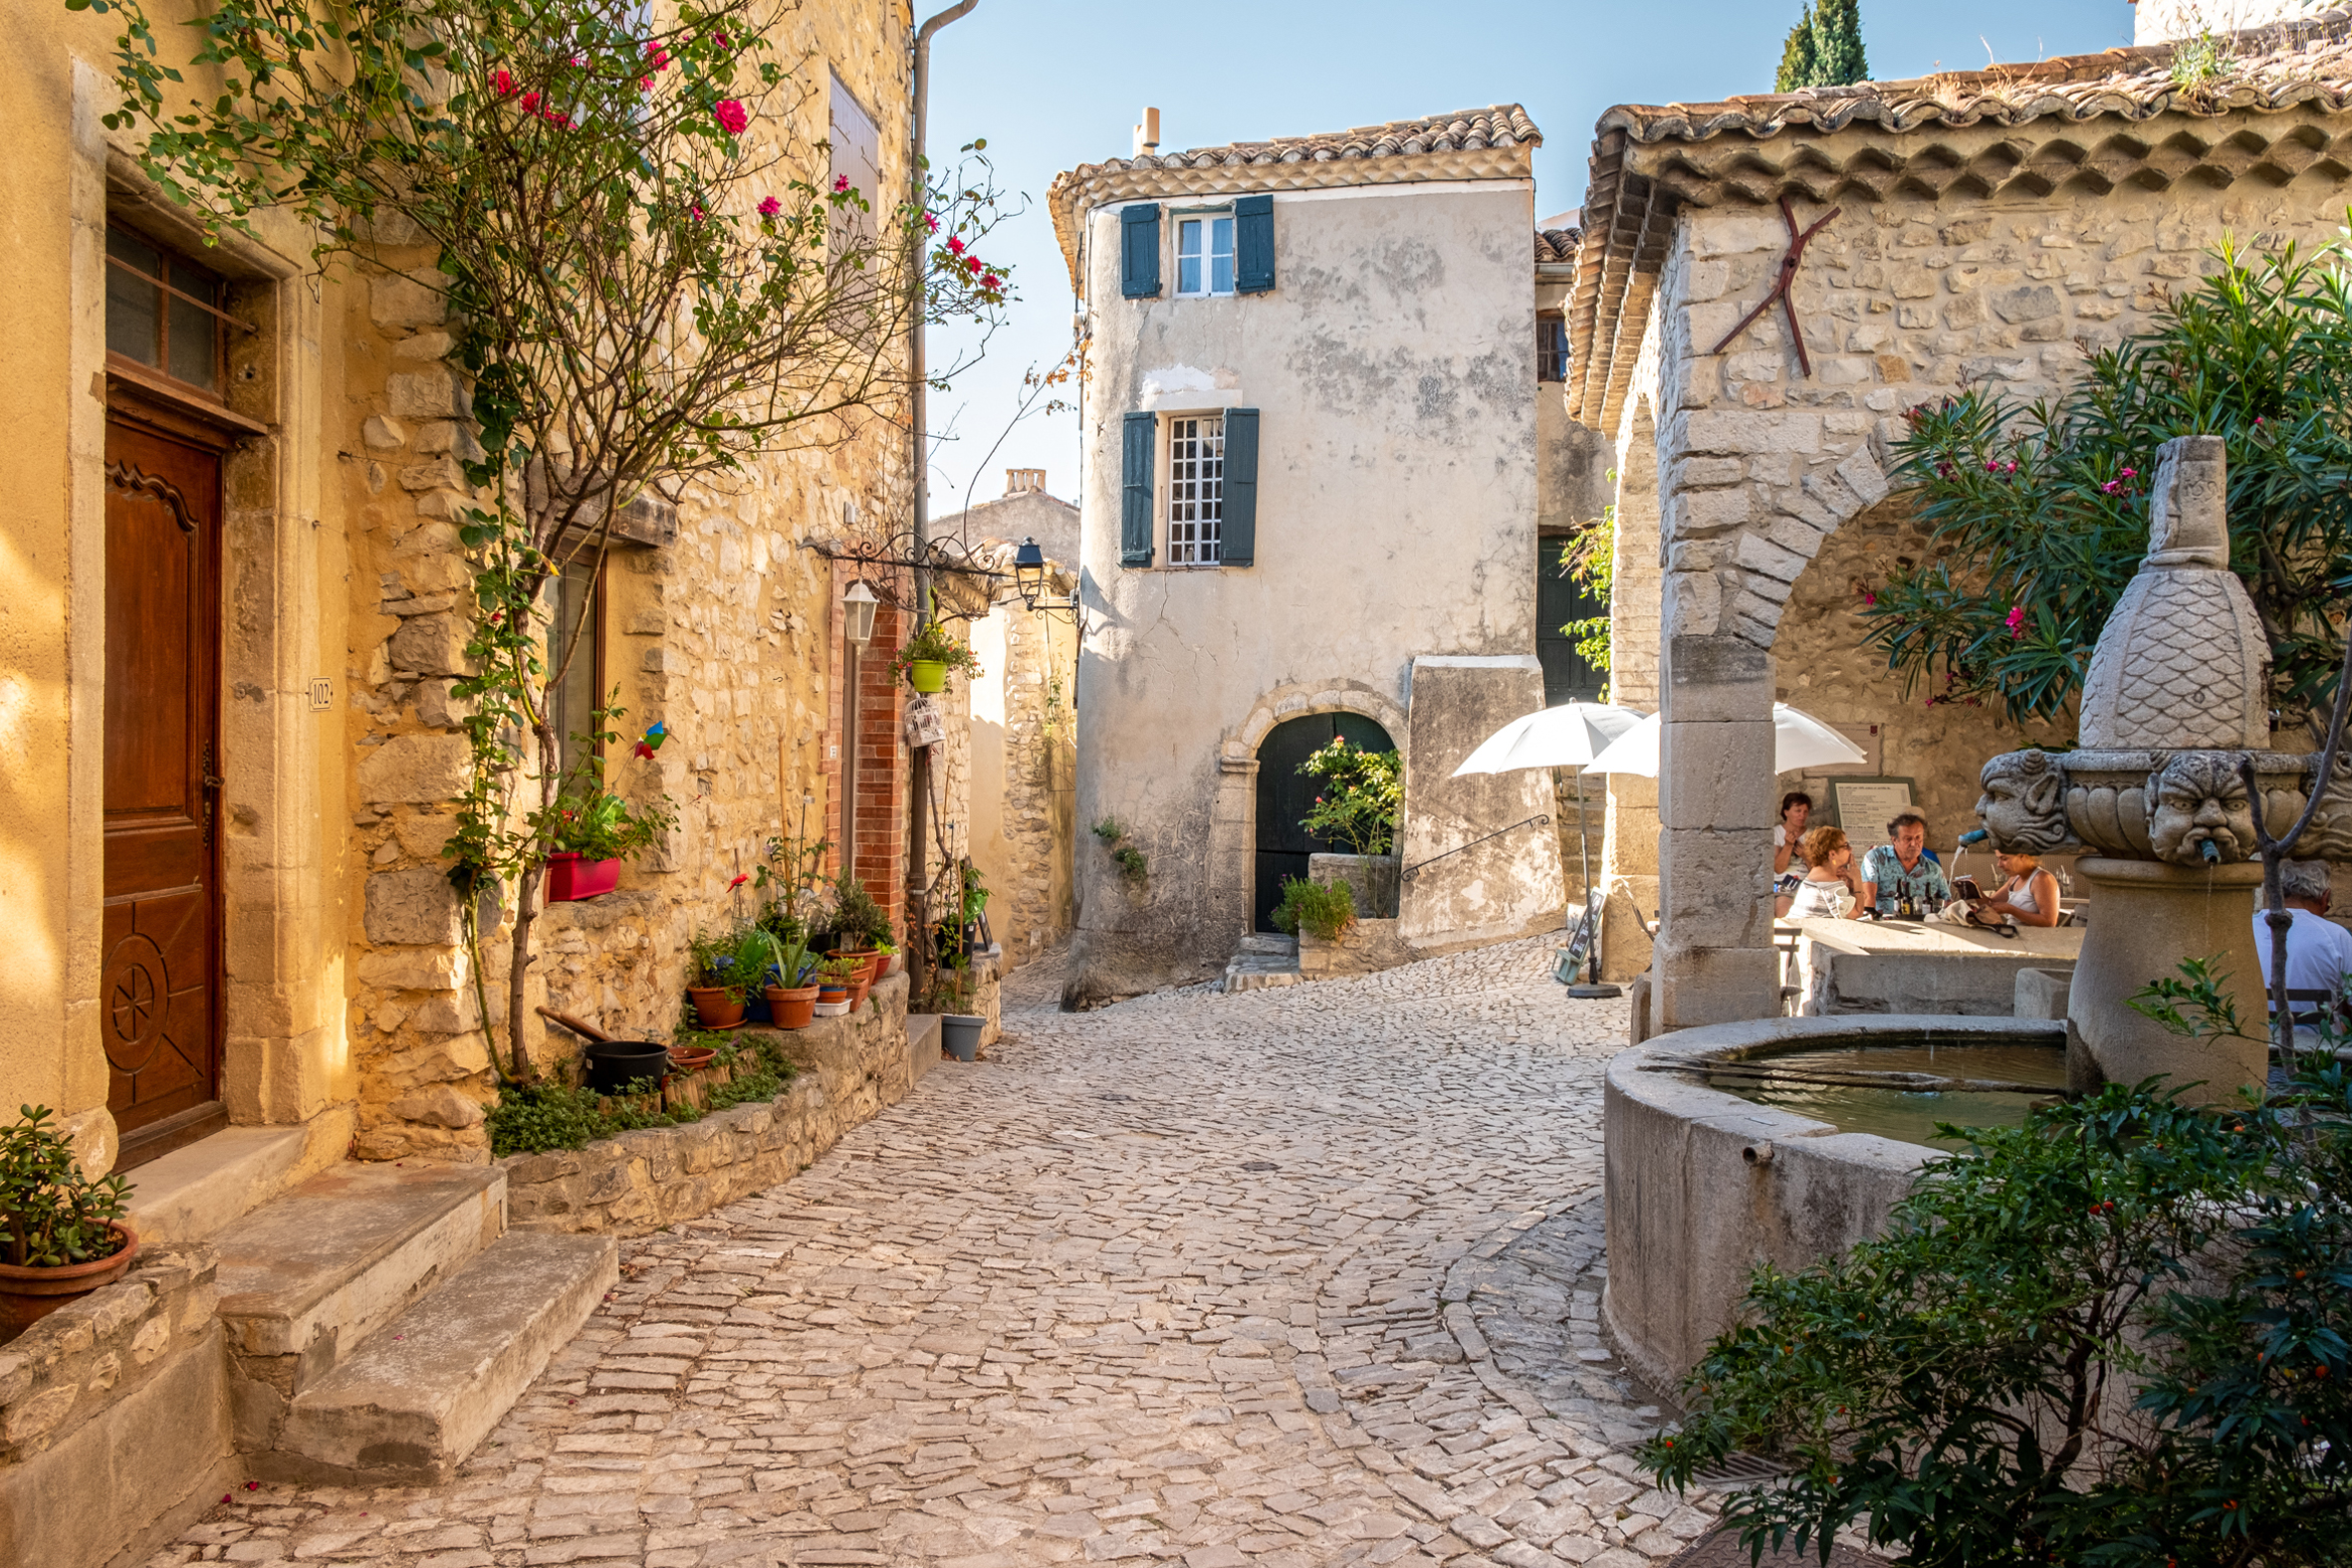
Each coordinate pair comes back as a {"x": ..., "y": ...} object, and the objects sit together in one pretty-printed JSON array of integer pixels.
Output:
[{"x": 1703, "y": 1184}]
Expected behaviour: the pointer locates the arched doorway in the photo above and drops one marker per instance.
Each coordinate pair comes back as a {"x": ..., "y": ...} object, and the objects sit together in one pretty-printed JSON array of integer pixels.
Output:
[{"x": 1285, "y": 794}]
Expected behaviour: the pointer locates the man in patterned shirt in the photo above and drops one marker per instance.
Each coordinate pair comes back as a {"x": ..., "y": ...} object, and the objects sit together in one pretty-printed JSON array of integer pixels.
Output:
[{"x": 1894, "y": 871}]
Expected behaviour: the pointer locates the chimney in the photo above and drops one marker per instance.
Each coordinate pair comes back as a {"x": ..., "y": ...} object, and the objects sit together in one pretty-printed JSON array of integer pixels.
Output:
[
  {"x": 1147, "y": 134},
  {"x": 1023, "y": 481}
]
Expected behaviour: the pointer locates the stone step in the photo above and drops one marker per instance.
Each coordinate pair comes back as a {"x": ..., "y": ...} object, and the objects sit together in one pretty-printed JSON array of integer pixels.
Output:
[
  {"x": 407, "y": 1407},
  {"x": 309, "y": 1276},
  {"x": 1268, "y": 943},
  {"x": 201, "y": 1189}
]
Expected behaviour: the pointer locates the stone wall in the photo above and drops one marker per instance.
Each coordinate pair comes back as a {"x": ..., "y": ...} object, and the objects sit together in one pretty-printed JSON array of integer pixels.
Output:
[
  {"x": 640, "y": 1181},
  {"x": 726, "y": 631},
  {"x": 1759, "y": 466},
  {"x": 114, "y": 1421},
  {"x": 1024, "y": 772}
]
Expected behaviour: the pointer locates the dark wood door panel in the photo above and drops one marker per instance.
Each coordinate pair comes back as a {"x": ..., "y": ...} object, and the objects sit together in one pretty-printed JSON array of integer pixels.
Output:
[{"x": 159, "y": 986}]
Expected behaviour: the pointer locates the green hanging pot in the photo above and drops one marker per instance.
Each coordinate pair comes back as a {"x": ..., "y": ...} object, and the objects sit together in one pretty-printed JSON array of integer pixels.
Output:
[{"x": 926, "y": 675}]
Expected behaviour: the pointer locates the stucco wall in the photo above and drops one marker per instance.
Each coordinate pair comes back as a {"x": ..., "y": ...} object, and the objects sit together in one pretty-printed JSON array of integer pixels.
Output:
[
  {"x": 1903, "y": 302},
  {"x": 1394, "y": 367}
]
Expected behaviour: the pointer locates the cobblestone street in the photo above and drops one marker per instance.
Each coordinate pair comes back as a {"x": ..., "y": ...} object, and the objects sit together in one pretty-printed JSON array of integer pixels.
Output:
[{"x": 1297, "y": 1276}]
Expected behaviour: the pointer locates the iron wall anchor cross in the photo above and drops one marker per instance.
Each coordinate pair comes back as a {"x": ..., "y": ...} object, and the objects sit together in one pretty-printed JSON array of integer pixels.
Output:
[{"x": 1779, "y": 289}]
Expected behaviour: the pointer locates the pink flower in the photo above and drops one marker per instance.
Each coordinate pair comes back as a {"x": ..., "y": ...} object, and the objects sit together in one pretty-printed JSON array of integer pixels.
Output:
[
  {"x": 644, "y": 84},
  {"x": 696, "y": 209},
  {"x": 840, "y": 182},
  {"x": 931, "y": 226},
  {"x": 992, "y": 282},
  {"x": 722, "y": 39},
  {"x": 660, "y": 56},
  {"x": 2111, "y": 487},
  {"x": 2131, "y": 473},
  {"x": 972, "y": 264},
  {"x": 531, "y": 102},
  {"x": 1869, "y": 597},
  {"x": 503, "y": 80},
  {"x": 732, "y": 115},
  {"x": 771, "y": 207},
  {"x": 2016, "y": 620},
  {"x": 955, "y": 247}
]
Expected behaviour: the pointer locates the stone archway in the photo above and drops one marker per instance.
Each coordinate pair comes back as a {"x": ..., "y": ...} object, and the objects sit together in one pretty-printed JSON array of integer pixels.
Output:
[{"x": 1233, "y": 815}]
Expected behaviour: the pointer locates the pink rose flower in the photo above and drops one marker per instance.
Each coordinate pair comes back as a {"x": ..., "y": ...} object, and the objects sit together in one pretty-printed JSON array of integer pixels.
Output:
[
  {"x": 771, "y": 207},
  {"x": 992, "y": 282},
  {"x": 732, "y": 115},
  {"x": 504, "y": 82},
  {"x": 840, "y": 182},
  {"x": 531, "y": 102},
  {"x": 955, "y": 247},
  {"x": 931, "y": 226}
]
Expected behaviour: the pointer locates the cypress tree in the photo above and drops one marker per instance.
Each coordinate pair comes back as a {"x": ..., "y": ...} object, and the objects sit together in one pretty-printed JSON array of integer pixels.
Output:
[
  {"x": 1838, "y": 60},
  {"x": 1796, "y": 55}
]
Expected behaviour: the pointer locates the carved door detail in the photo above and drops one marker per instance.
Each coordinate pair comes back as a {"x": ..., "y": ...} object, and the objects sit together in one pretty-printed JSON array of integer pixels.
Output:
[{"x": 159, "y": 987}]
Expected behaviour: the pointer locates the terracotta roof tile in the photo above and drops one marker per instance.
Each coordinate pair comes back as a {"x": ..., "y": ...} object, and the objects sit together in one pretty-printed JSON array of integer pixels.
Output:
[
  {"x": 1556, "y": 245},
  {"x": 2286, "y": 87},
  {"x": 1500, "y": 125},
  {"x": 1496, "y": 142}
]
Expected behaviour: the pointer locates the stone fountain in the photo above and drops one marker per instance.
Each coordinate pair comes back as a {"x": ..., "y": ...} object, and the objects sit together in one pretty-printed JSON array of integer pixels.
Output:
[{"x": 2177, "y": 696}]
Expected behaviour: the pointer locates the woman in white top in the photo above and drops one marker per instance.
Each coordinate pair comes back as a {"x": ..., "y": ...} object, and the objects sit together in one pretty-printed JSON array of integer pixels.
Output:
[
  {"x": 1829, "y": 877},
  {"x": 2028, "y": 898}
]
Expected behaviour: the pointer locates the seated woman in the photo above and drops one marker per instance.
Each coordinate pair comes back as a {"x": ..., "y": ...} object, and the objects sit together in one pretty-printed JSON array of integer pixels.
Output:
[
  {"x": 1828, "y": 879},
  {"x": 2028, "y": 898},
  {"x": 1788, "y": 866}
]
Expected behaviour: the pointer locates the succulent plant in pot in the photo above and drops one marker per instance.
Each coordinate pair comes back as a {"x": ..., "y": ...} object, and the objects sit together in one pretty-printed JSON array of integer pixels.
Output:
[{"x": 60, "y": 1232}]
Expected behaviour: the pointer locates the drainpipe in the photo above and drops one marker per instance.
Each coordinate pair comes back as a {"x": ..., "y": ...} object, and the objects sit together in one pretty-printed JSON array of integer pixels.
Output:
[{"x": 919, "y": 774}]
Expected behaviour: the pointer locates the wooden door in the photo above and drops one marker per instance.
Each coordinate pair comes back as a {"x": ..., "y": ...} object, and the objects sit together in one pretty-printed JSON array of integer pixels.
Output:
[
  {"x": 1285, "y": 796},
  {"x": 160, "y": 993}
]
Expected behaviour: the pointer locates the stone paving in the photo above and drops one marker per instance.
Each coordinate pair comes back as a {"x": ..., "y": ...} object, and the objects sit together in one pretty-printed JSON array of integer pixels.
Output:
[{"x": 1292, "y": 1277}]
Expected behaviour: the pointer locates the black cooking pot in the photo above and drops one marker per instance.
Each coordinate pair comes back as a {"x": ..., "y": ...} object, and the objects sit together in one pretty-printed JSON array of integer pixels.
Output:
[{"x": 612, "y": 1065}]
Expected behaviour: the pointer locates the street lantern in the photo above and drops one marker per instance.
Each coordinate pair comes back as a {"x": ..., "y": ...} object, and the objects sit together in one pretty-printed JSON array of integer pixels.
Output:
[
  {"x": 857, "y": 612},
  {"x": 1029, "y": 572}
]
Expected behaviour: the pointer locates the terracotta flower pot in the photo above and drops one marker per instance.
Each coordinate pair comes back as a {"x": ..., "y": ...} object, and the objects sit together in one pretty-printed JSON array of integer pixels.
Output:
[
  {"x": 858, "y": 991},
  {"x": 795, "y": 1006},
  {"x": 714, "y": 1007},
  {"x": 570, "y": 877},
  {"x": 27, "y": 1296},
  {"x": 692, "y": 1058}
]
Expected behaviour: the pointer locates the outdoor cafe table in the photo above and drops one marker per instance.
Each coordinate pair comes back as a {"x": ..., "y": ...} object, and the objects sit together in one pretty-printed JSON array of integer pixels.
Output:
[{"x": 1912, "y": 966}]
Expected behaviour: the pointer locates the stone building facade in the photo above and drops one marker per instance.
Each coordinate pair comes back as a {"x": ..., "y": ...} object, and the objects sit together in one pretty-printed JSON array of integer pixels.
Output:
[
  {"x": 316, "y": 475},
  {"x": 1996, "y": 228},
  {"x": 1310, "y": 494}
]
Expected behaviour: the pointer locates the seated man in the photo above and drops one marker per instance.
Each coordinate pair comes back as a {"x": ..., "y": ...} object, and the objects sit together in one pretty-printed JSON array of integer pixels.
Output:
[
  {"x": 2318, "y": 951},
  {"x": 1903, "y": 870}
]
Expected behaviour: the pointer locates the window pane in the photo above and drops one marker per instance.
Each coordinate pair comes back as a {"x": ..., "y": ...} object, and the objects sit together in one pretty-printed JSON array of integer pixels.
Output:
[
  {"x": 1188, "y": 237},
  {"x": 573, "y": 702},
  {"x": 1220, "y": 273},
  {"x": 133, "y": 329},
  {"x": 1196, "y": 490},
  {"x": 194, "y": 344}
]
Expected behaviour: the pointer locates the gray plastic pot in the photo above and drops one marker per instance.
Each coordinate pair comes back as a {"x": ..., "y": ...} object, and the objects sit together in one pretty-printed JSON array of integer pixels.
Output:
[{"x": 960, "y": 1031}]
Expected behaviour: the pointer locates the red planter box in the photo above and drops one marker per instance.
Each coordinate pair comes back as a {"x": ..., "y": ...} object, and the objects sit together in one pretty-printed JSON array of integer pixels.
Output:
[{"x": 570, "y": 878}]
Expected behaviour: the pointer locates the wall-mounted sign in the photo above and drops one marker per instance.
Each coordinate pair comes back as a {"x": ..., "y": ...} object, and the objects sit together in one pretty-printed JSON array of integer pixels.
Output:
[{"x": 1865, "y": 806}]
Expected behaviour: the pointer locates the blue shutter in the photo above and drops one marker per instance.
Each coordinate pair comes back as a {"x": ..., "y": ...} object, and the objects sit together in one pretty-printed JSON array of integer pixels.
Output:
[
  {"x": 1139, "y": 438},
  {"x": 1238, "y": 547},
  {"x": 1139, "y": 252},
  {"x": 1253, "y": 245}
]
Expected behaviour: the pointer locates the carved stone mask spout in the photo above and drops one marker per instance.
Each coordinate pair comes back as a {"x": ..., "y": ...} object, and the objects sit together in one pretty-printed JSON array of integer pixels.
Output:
[
  {"x": 2197, "y": 798},
  {"x": 2024, "y": 806}
]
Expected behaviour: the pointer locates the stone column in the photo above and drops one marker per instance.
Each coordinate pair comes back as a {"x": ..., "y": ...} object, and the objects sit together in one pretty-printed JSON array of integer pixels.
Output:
[{"x": 1713, "y": 961}]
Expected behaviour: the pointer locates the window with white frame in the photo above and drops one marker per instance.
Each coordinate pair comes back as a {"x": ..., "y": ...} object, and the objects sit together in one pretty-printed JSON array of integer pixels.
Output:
[
  {"x": 1204, "y": 254},
  {"x": 1196, "y": 490}
]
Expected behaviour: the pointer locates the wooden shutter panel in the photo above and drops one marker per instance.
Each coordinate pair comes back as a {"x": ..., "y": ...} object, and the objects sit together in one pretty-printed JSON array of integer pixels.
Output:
[
  {"x": 1139, "y": 252},
  {"x": 1240, "y": 540},
  {"x": 1139, "y": 438},
  {"x": 1253, "y": 245}
]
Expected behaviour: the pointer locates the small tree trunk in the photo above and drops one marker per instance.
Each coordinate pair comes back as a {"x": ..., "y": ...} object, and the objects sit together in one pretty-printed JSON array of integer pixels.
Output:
[{"x": 527, "y": 894}]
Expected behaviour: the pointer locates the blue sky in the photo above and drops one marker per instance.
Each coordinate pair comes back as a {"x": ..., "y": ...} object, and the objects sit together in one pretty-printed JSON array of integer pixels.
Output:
[{"x": 1053, "y": 84}]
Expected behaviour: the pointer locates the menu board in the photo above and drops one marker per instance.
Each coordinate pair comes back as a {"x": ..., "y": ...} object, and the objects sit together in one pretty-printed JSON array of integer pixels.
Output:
[{"x": 1865, "y": 806}]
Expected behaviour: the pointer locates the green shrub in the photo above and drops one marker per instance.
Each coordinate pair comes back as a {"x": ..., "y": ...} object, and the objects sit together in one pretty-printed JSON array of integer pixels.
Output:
[
  {"x": 1959, "y": 1385},
  {"x": 1325, "y": 910},
  {"x": 535, "y": 1118},
  {"x": 1362, "y": 792}
]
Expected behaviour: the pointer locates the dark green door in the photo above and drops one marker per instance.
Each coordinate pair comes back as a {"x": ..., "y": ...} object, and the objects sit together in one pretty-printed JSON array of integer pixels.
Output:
[
  {"x": 1559, "y": 601},
  {"x": 1285, "y": 794}
]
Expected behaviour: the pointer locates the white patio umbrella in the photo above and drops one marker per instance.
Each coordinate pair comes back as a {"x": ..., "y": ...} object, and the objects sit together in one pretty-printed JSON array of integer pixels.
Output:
[
  {"x": 1568, "y": 736},
  {"x": 1799, "y": 741}
]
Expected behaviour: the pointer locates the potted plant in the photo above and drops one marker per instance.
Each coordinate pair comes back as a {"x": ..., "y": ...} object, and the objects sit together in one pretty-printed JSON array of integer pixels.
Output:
[
  {"x": 593, "y": 831},
  {"x": 836, "y": 977},
  {"x": 792, "y": 1000},
  {"x": 929, "y": 654},
  {"x": 728, "y": 967},
  {"x": 61, "y": 1234}
]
